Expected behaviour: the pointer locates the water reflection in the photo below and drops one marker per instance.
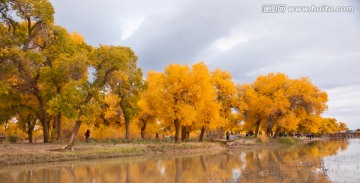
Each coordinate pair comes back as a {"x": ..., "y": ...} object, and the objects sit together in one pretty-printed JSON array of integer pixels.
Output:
[{"x": 290, "y": 164}]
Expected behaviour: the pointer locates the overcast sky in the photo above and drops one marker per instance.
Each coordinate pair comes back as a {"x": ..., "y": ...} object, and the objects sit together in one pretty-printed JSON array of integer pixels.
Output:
[{"x": 233, "y": 35}]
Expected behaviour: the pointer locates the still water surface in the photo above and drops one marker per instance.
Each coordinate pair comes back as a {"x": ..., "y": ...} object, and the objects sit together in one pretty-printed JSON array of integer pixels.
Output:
[{"x": 330, "y": 161}]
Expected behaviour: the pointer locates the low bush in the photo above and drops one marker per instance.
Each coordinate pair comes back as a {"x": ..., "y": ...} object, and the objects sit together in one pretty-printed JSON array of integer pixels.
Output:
[
  {"x": 13, "y": 138},
  {"x": 2, "y": 139},
  {"x": 288, "y": 140}
]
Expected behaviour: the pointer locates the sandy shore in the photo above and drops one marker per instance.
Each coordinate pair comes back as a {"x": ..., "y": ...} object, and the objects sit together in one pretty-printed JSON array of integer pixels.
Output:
[{"x": 23, "y": 153}]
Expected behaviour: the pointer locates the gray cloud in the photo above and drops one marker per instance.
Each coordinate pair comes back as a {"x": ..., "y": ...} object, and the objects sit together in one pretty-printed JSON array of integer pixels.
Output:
[
  {"x": 234, "y": 36},
  {"x": 181, "y": 35}
]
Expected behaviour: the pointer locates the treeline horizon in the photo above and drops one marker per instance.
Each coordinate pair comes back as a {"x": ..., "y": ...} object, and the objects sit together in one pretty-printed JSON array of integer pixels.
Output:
[{"x": 45, "y": 85}]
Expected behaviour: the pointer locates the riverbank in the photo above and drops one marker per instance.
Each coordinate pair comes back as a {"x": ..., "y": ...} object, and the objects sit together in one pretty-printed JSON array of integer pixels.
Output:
[{"x": 23, "y": 153}]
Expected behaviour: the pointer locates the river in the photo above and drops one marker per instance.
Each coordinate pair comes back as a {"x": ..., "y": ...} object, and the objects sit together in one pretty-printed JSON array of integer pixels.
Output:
[{"x": 320, "y": 161}]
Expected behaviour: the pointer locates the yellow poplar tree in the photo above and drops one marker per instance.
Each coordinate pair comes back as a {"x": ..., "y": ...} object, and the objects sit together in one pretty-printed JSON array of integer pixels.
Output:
[
  {"x": 307, "y": 102},
  {"x": 254, "y": 108},
  {"x": 147, "y": 112},
  {"x": 277, "y": 102},
  {"x": 177, "y": 95},
  {"x": 105, "y": 60},
  {"x": 186, "y": 98},
  {"x": 226, "y": 96},
  {"x": 206, "y": 105},
  {"x": 343, "y": 126}
]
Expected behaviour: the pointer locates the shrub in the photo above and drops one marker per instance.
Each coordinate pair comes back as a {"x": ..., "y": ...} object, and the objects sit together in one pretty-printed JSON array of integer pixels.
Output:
[
  {"x": 2, "y": 138},
  {"x": 288, "y": 140},
  {"x": 13, "y": 139}
]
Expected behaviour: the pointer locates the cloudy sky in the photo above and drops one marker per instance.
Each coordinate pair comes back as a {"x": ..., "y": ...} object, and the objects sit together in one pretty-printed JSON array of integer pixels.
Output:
[{"x": 233, "y": 35}]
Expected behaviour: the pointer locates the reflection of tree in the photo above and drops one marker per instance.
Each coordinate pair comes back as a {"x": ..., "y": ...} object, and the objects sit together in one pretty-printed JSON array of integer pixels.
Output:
[
  {"x": 128, "y": 180},
  {"x": 184, "y": 165},
  {"x": 58, "y": 176},
  {"x": 72, "y": 174},
  {"x": 89, "y": 173},
  {"x": 177, "y": 168},
  {"x": 29, "y": 175},
  {"x": 45, "y": 176},
  {"x": 203, "y": 166},
  {"x": 118, "y": 175}
]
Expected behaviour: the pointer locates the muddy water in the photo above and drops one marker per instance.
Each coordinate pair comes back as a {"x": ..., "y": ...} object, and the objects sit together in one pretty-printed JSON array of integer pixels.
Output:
[{"x": 331, "y": 161}]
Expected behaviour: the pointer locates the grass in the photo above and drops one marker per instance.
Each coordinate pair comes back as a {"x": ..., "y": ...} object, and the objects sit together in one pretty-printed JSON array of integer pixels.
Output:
[
  {"x": 7, "y": 144},
  {"x": 288, "y": 140},
  {"x": 124, "y": 141}
]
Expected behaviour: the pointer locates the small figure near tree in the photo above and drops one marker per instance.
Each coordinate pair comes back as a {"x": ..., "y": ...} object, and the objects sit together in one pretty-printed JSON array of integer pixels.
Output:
[
  {"x": 227, "y": 135},
  {"x": 87, "y": 135}
]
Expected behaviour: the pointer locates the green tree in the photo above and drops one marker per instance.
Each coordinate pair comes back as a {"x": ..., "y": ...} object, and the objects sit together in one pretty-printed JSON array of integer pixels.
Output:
[
  {"x": 68, "y": 57},
  {"x": 105, "y": 61},
  {"x": 127, "y": 83},
  {"x": 27, "y": 26}
]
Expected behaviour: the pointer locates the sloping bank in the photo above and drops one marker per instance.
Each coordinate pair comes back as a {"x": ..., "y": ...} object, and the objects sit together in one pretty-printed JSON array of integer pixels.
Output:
[{"x": 16, "y": 154}]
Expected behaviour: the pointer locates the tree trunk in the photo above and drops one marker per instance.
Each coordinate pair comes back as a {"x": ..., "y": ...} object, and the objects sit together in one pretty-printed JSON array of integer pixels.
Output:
[
  {"x": 54, "y": 129},
  {"x": 183, "y": 133},
  {"x": 257, "y": 128},
  {"x": 29, "y": 132},
  {"x": 46, "y": 133},
  {"x": 77, "y": 125},
  {"x": 73, "y": 135},
  {"x": 177, "y": 130},
  {"x": 127, "y": 121},
  {"x": 202, "y": 134},
  {"x": 127, "y": 126},
  {"x": 268, "y": 131},
  {"x": 58, "y": 119},
  {"x": 58, "y": 126},
  {"x": 142, "y": 133},
  {"x": 269, "y": 128},
  {"x": 45, "y": 123}
]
